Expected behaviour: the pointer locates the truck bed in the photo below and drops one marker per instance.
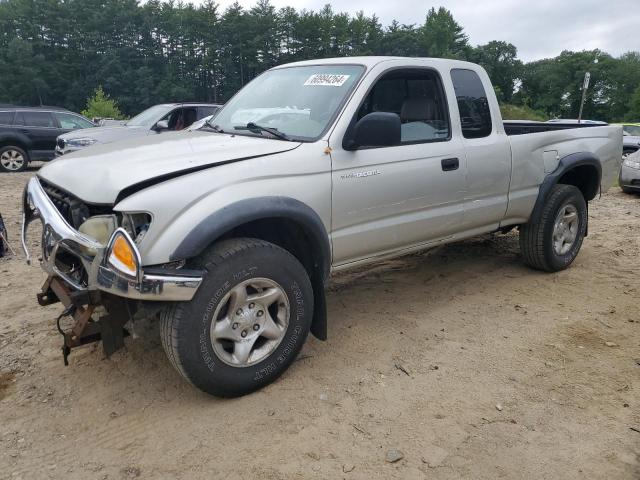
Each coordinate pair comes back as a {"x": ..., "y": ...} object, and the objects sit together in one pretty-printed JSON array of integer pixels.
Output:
[{"x": 536, "y": 149}]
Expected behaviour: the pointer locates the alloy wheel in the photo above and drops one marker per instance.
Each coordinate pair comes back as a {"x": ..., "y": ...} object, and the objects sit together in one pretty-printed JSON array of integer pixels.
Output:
[
  {"x": 250, "y": 322},
  {"x": 12, "y": 160},
  {"x": 565, "y": 229}
]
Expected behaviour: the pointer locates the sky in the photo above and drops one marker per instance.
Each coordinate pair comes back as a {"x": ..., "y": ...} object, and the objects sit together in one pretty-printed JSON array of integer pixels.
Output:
[{"x": 538, "y": 28}]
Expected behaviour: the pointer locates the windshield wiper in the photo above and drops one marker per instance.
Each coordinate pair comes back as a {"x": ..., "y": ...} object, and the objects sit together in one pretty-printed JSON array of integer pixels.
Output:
[{"x": 259, "y": 128}]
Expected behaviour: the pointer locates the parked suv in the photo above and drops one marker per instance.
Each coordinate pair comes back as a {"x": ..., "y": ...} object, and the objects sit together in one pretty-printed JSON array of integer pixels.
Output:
[
  {"x": 153, "y": 120},
  {"x": 29, "y": 133}
]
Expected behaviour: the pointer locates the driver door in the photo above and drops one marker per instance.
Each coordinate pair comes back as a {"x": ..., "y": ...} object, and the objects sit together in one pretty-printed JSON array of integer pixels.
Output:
[{"x": 387, "y": 199}]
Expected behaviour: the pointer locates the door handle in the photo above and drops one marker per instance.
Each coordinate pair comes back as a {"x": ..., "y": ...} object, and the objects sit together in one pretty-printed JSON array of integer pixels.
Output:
[{"x": 449, "y": 164}]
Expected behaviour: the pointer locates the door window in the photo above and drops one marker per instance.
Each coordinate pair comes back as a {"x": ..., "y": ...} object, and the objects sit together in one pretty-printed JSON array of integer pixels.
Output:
[
  {"x": 633, "y": 130},
  {"x": 72, "y": 122},
  {"x": 37, "y": 119},
  {"x": 417, "y": 97},
  {"x": 206, "y": 111},
  {"x": 475, "y": 114},
  {"x": 6, "y": 118},
  {"x": 181, "y": 118}
]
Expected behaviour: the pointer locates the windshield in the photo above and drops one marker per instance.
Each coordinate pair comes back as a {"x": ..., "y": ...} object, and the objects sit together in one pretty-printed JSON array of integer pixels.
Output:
[
  {"x": 633, "y": 130},
  {"x": 298, "y": 102},
  {"x": 150, "y": 116}
]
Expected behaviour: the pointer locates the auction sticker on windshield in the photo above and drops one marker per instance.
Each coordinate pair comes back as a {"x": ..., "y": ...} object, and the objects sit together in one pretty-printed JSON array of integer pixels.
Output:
[{"x": 327, "y": 80}]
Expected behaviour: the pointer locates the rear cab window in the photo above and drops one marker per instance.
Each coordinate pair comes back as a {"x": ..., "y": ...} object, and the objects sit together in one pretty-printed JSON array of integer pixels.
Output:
[{"x": 475, "y": 114}]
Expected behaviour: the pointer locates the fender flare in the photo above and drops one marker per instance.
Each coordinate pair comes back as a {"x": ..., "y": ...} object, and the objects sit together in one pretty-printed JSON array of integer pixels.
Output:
[
  {"x": 566, "y": 163},
  {"x": 236, "y": 214},
  {"x": 16, "y": 139}
]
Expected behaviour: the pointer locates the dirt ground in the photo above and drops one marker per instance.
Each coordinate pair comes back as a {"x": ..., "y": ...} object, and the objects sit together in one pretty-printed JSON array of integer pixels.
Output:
[{"x": 470, "y": 364}]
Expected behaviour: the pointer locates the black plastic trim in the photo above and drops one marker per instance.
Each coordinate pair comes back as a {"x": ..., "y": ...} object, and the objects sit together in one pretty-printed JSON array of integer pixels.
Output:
[
  {"x": 245, "y": 211},
  {"x": 566, "y": 163},
  {"x": 174, "y": 272},
  {"x": 522, "y": 128}
]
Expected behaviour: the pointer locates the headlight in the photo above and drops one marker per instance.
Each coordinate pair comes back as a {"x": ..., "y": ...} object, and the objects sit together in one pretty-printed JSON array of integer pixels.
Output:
[
  {"x": 632, "y": 163},
  {"x": 100, "y": 228},
  {"x": 80, "y": 142}
]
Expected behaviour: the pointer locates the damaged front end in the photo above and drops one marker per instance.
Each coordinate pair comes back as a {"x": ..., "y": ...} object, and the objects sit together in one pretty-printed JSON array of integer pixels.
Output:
[{"x": 94, "y": 265}]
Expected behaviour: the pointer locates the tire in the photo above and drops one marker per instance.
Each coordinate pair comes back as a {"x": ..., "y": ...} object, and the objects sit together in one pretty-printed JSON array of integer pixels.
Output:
[
  {"x": 13, "y": 159},
  {"x": 537, "y": 239},
  {"x": 206, "y": 357}
]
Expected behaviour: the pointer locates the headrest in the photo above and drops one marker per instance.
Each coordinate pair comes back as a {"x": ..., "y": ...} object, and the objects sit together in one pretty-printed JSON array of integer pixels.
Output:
[{"x": 417, "y": 108}]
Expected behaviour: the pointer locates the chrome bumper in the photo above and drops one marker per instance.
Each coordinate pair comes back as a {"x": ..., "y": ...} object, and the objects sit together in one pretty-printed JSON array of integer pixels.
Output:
[{"x": 59, "y": 237}]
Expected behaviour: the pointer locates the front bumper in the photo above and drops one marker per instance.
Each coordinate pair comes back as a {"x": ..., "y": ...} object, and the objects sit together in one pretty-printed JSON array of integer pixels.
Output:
[
  {"x": 629, "y": 177},
  {"x": 90, "y": 271}
]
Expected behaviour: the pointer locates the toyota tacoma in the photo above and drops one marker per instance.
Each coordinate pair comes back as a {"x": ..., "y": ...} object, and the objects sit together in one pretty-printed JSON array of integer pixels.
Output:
[{"x": 228, "y": 233}]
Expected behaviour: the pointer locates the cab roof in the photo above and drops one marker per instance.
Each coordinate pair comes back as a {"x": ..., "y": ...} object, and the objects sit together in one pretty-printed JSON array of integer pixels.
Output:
[{"x": 371, "y": 61}]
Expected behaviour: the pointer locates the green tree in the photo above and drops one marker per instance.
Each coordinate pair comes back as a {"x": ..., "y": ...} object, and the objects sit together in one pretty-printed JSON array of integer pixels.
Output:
[
  {"x": 500, "y": 60},
  {"x": 55, "y": 52},
  {"x": 554, "y": 85},
  {"x": 633, "y": 115},
  {"x": 521, "y": 112},
  {"x": 22, "y": 80},
  {"x": 442, "y": 36},
  {"x": 101, "y": 106}
]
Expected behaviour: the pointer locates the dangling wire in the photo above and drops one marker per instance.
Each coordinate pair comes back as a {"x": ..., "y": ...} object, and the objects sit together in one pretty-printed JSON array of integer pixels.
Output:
[{"x": 66, "y": 312}]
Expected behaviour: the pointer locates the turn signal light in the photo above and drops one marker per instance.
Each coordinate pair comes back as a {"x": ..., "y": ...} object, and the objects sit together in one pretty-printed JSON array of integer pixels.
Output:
[{"x": 123, "y": 255}]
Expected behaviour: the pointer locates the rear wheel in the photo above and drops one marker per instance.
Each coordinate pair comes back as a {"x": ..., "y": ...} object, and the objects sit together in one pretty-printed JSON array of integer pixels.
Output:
[
  {"x": 13, "y": 159},
  {"x": 247, "y": 322},
  {"x": 554, "y": 242}
]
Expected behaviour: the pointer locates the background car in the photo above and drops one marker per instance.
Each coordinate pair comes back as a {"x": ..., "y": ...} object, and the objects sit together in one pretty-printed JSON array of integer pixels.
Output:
[
  {"x": 630, "y": 173},
  {"x": 575, "y": 120},
  {"x": 106, "y": 122},
  {"x": 29, "y": 134},
  {"x": 153, "y": 120},
  {"x": 631, "y": 138}
]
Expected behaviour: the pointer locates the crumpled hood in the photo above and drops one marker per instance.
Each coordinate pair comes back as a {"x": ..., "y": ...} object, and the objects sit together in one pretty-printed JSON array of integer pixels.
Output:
[
  {"x": 109, "y": 134},
  {"x": 99, "y": 173}
]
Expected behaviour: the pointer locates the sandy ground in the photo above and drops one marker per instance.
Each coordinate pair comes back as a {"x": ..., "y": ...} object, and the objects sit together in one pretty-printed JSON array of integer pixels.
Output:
[{"x": 470, "y": 364}]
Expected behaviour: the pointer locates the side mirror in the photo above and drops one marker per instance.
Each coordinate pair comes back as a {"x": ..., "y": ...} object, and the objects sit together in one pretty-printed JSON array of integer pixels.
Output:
[
  {"x": 161, "y": 125},
  {"x": 376, "y": 129}
]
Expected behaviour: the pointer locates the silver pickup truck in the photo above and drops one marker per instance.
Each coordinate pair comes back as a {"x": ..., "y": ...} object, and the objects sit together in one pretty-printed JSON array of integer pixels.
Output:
[{"x": 229, "y": 233}]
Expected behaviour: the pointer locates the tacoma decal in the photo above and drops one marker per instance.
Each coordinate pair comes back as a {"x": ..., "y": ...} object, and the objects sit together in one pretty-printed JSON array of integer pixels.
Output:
[{"x": 366, "y": 173}]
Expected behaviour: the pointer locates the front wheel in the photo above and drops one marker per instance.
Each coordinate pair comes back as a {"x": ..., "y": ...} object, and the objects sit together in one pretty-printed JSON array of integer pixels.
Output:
[
  {"x": 554, "y": 241},
  {"x": 247, "y": 322}
]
